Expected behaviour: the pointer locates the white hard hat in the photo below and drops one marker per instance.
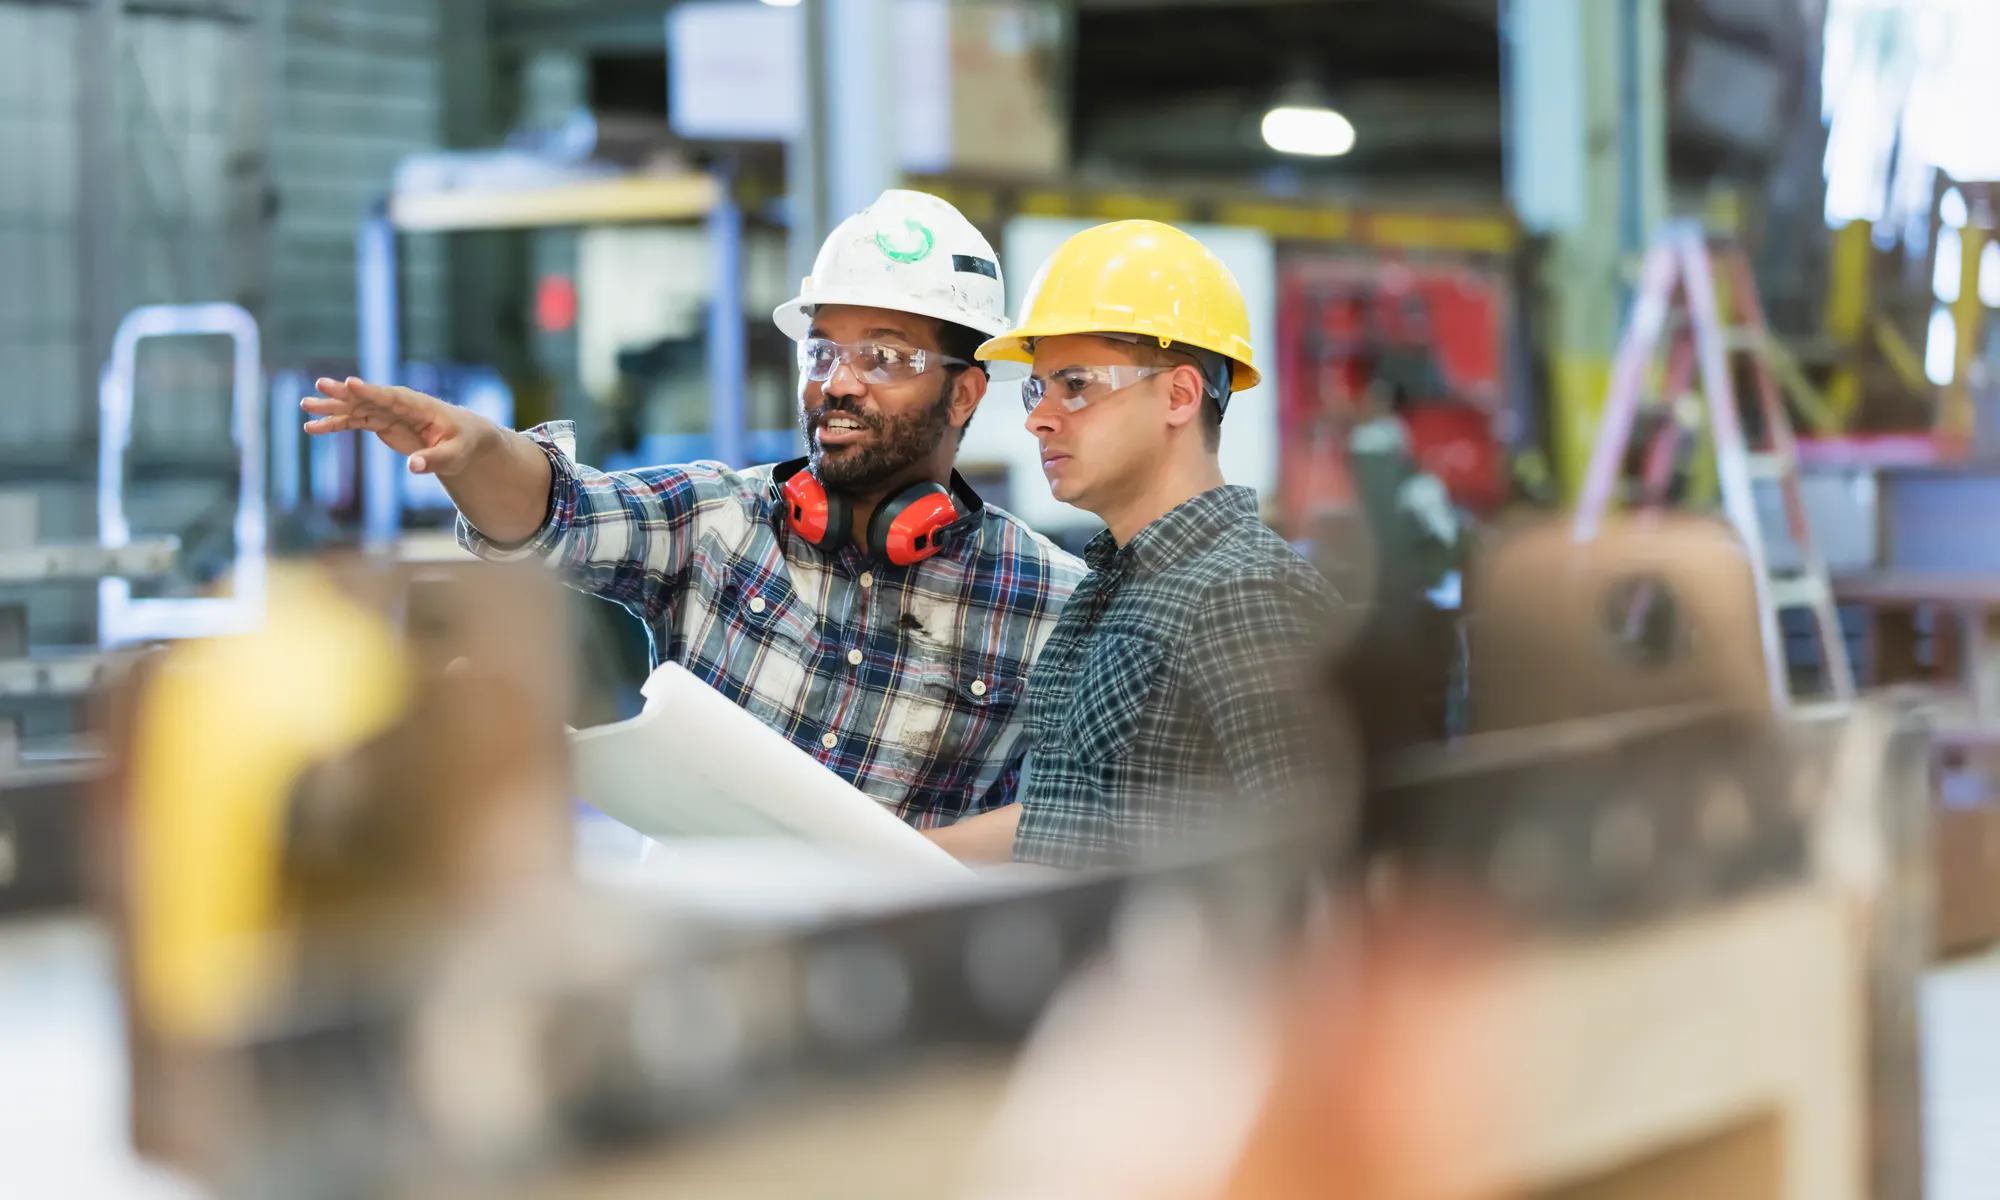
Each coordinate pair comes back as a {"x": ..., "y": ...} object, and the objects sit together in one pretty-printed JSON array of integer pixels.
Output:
[{"x": 908, "y": 252}]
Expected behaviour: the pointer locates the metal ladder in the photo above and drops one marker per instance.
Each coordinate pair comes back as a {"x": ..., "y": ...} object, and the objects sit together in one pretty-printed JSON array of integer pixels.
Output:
[{"x": 1677, "y": 301}]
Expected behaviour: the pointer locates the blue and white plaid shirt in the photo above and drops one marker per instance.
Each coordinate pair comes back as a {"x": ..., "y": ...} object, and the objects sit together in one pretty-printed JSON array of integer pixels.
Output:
[{"x": 905, "y": 681}]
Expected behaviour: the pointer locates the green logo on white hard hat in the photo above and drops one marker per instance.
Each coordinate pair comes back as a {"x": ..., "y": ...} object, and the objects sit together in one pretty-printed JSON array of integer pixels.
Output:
[{"x": 915, "y": 250}]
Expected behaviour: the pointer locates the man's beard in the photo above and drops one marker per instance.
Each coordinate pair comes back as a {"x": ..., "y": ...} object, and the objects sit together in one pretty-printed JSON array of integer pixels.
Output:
[{"x": 894, "y": 445}]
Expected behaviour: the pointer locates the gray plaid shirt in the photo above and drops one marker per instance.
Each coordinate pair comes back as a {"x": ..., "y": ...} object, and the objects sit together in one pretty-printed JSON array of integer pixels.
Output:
[{"x": 1167, "y": 702}]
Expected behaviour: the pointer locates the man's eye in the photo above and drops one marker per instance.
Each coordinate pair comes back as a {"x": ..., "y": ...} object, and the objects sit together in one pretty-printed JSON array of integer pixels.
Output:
[
  {"x": 885, "y": 357},
  {"x": 1072, "y": 383}
]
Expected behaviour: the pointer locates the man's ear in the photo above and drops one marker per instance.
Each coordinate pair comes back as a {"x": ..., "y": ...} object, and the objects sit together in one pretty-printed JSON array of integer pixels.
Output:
[
  {"x": 966, "y": 394},
  {"x": 1185, "y": 391}
]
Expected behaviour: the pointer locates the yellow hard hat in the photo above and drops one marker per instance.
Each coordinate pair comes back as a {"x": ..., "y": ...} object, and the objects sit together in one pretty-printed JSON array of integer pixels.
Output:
[{"x": 1141, "y": 278}]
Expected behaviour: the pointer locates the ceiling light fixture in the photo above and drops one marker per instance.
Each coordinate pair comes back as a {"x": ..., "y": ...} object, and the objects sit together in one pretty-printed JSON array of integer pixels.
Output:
[
  {"x": 1302, "y": 120},
  {"x": 1309, "y": 131}
]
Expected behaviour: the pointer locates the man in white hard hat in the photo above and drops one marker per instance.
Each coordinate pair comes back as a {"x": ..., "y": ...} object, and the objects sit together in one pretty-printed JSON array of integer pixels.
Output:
[{"x": 861, "y": 600}]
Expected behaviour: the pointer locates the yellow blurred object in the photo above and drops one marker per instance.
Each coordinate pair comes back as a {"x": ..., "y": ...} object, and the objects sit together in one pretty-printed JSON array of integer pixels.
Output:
[
  {"x": 1847, "y": 311},
  {"x": 223, "y": 734},
  {"x": 1135, "y": 277},
  {"x": 1578, "y": 383}
]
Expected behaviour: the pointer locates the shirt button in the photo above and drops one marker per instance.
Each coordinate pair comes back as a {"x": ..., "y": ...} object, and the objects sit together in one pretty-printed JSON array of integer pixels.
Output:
[
  {"x": 854, "y": 657},
  {"x": 830, "y": 741},
  {"x": 979, "y": 687},
  {"x": 756, "y": 604},
  {"x": 867, "y": 579}
]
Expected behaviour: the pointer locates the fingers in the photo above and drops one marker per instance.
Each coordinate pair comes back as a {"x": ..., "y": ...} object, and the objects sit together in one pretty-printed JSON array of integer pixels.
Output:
[
  {"x": 444, "y": 458},
  {"x": 333, "y": 402},
  {"x": 370, "y": 406},
  {"x": 361, "y": 390},
  {"x": 394, "y": 403},
  {"x": 406, "y": 421}
]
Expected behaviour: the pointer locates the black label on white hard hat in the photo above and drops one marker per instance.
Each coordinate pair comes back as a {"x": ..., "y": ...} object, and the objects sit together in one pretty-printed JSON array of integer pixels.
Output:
[{"x": 974, "y": 265}]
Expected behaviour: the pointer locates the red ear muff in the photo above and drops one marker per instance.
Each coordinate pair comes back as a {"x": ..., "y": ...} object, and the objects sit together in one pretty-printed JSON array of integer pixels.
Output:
[
  {"x": 815, "y": 514},
  {"x": 906, "y": 526}
]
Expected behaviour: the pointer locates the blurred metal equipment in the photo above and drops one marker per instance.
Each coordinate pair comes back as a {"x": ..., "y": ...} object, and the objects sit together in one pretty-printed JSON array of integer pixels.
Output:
[
  {"x": 1684, "y": 264},
  {"x": 123, "y": 618},
  {"x": 1655, "y": 612},
  {"x": 43, "y": 777},
  {"x": 1654, "y": 941},
  {"x": 1929, "y": 625},
  {"x": 301, "y": 815}
]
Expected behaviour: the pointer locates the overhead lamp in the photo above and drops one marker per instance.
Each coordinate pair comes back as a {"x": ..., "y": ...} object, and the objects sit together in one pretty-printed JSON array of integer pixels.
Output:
[
  {"x": 1303, "y": 123},
  {"x": 782, "y": 3},
  {"x": 1308, "y": 132}
]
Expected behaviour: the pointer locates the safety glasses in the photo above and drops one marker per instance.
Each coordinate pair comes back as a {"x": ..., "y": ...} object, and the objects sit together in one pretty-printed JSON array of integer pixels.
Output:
[
  {"x": 873, "y": 362},
  {"x": 1077, "y": 388}
]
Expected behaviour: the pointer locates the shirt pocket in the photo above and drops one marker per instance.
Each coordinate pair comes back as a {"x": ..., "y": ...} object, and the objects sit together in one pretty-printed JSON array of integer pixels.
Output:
[
  {"x": 758, "y": 649},
  {"x": 1107, "y": 704},
  {"x": 949, "y": 706}
]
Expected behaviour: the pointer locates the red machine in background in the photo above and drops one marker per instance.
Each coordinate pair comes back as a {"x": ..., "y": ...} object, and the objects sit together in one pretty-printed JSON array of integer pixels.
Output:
[{"x": 1434, "y": 333}]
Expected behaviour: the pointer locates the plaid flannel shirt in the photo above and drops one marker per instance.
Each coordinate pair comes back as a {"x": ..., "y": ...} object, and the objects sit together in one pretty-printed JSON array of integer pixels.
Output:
[
  {"x": 905, "y": 681},
  {"x": 1169, "y": 699}
]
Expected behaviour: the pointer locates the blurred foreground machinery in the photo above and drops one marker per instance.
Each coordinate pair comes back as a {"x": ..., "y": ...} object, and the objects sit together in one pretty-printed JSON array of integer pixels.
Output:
[{"x": 1636, "y": 936}]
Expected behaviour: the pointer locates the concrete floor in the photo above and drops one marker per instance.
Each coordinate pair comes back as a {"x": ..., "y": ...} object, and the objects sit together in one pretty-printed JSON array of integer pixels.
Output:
[
  {"x": 62, "y": 1069},
  {"x": 1962, "y": 1078}
]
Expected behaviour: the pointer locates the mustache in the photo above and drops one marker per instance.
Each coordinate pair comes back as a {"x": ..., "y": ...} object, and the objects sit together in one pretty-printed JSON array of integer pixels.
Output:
[{"x": 816, "y": 417}]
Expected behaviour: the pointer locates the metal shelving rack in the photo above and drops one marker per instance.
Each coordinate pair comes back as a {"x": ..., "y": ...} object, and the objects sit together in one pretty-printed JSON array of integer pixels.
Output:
[
  {"x": 41, "y": 787},
  {"x": 30, "y": 673}
]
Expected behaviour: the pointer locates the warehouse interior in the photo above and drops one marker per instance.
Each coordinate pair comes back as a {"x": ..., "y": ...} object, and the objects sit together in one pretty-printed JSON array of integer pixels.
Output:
[{"x": 1624, "y": 368}]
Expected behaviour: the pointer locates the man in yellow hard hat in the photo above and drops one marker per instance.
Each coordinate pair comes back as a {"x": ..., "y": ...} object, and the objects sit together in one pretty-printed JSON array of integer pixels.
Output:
[{"x": 1169, "y": 701}]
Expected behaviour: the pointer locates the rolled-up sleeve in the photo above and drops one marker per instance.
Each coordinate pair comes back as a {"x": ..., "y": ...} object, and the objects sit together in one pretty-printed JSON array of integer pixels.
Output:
[{"x": 627, "y": 536}]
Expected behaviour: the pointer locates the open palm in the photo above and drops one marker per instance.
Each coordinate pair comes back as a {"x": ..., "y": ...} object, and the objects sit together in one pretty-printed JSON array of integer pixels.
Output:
[{"x": 434, "y": 434}]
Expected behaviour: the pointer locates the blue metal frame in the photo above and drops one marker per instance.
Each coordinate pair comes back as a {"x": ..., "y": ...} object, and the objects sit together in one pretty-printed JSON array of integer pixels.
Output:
[
  {"x": 122, "y": 618},
  {"x": 728, "y": 343},
  {"x": 378, "y": 308},
  {"x": 287, "y": 467}
]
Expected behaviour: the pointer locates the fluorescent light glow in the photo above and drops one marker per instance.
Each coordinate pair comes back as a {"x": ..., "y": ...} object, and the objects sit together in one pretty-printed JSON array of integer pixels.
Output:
[
  {"x": 1308, "y": 132},
  {"x": 1952, "y": 208},
  {"x": 1950, "y": 266},
  {"x": 782, "y": 3},
  {"x": 1989, "y": 275},
  {"x": 1941, "y": 355}
]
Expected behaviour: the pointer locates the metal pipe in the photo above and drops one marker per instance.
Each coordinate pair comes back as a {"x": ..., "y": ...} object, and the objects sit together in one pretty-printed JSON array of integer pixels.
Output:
[
  {"x": 728, "y": 348},
  {"x": 378, "y": 312}
]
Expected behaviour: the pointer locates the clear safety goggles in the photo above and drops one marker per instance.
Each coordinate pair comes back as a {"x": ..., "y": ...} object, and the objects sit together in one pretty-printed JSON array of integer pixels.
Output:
[
  {"x": 872, "y": 362},
  {"x": 1077, "y": 388}
]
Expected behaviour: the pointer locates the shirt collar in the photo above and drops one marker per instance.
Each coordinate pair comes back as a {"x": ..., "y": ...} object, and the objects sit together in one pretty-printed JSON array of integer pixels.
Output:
[{"x": 1190, "y": 526}]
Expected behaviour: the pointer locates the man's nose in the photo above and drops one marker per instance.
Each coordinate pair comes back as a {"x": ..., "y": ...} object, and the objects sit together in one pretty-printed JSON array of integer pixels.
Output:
[
  {"x": 1044, "y": 417},
  {"x": 845, "y": 381}
]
